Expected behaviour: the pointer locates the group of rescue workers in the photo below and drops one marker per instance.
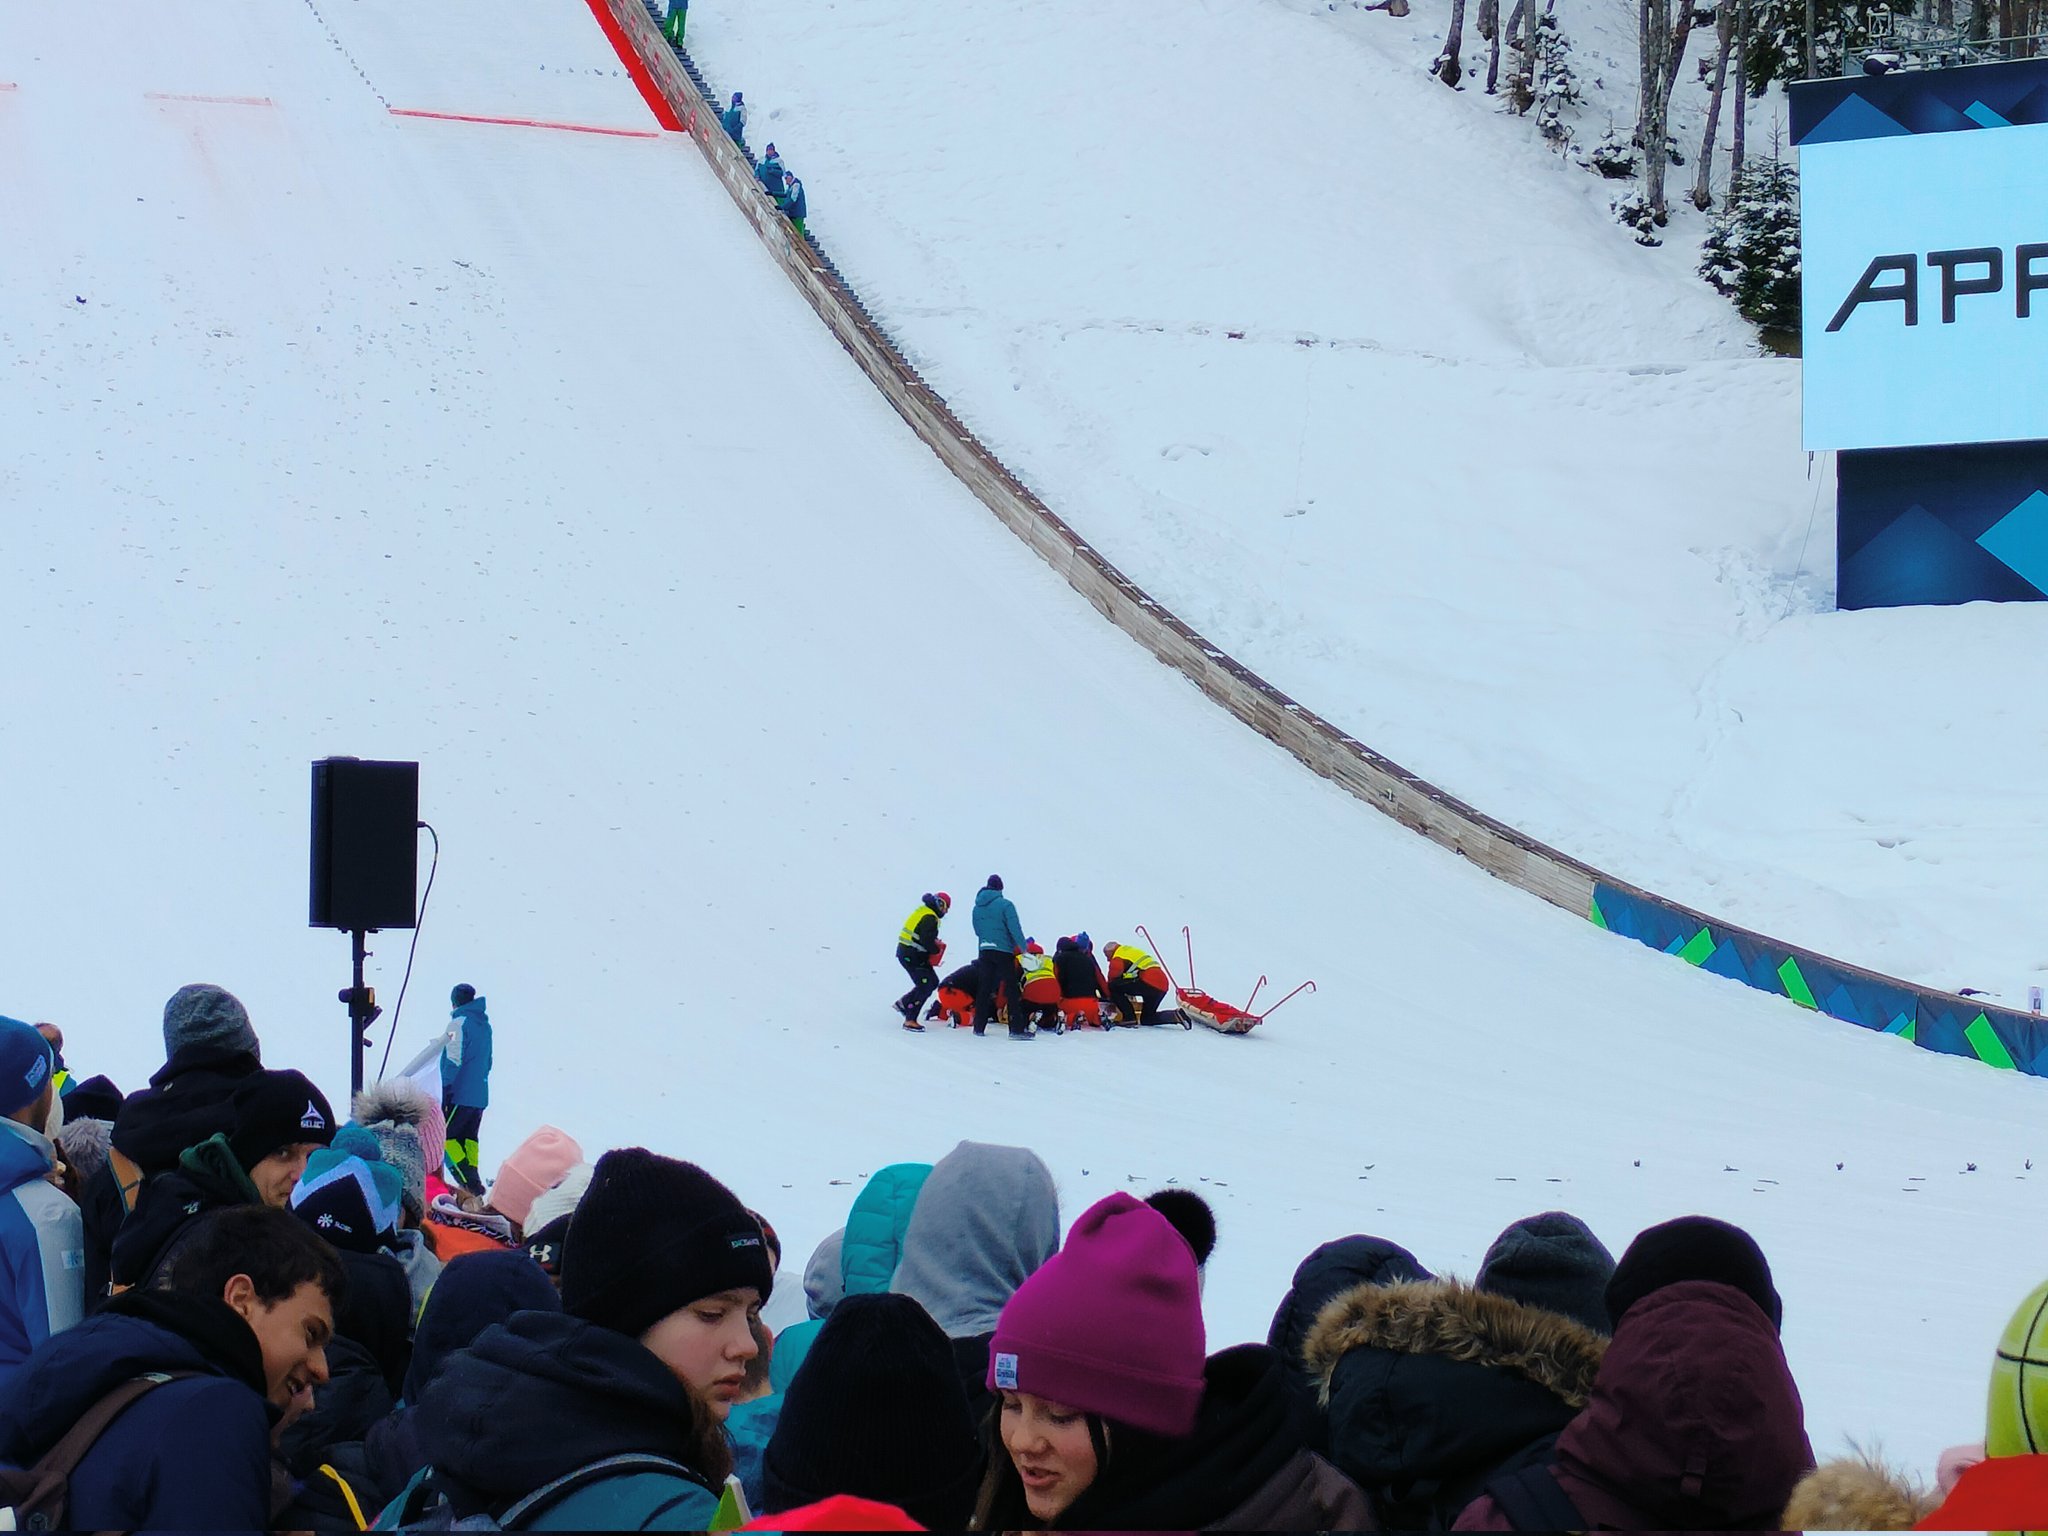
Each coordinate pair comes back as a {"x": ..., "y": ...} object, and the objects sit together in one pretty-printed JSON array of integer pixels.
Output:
[{"x": 1013, "y": 982}]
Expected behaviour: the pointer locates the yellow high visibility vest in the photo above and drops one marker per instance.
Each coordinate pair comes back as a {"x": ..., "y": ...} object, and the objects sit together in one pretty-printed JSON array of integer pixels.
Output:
[
  {"x": 1132, "y": 956},
  {"x": 909, "y": 934},
  {"x": 1038, "y": 968}
]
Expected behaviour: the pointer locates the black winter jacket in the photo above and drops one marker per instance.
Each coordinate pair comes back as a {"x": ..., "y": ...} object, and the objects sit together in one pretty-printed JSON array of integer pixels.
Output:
[
  {"x": 540, "y": 1395},
  {"x": 192, "y": 1454},
  {"x": 1076, "y": 971},
  {"x": 185, "y": 1102},
  {"x": 1249, "y": 1448},
  {"x": 1432, "y": 1388}
]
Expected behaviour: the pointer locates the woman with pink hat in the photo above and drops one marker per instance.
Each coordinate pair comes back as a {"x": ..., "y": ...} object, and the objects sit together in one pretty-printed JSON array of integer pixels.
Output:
[{"x": 1111, "y": 1417}]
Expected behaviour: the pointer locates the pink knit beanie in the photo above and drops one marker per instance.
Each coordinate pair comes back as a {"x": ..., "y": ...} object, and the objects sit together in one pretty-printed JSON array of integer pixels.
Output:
[
  {"x": 433, "y": 1129},
  {"x": 1111, "y": 1324},
  {"x": 535, "y": 1166}
]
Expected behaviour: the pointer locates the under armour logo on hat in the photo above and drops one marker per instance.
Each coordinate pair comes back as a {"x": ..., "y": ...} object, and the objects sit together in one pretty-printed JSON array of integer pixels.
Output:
[
  {"x": 312, "y": 1119},
  {"x": 1006, "y": 1373}
]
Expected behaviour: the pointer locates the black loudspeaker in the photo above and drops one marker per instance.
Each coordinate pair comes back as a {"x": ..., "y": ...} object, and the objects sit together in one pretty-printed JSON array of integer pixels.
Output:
[{"x": 365, "y": 860}]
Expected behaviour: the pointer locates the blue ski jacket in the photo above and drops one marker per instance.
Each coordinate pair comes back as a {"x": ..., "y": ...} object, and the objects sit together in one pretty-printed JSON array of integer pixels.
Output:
[
  {"x": 995, "y": 922},
  {"x": 42, "y": 1249},
  {"x": 467, "y": 1082}
]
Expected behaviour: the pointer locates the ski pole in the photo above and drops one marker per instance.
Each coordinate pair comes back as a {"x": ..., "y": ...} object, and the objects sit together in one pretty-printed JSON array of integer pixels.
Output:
[{"x": 1306, "y": 986}]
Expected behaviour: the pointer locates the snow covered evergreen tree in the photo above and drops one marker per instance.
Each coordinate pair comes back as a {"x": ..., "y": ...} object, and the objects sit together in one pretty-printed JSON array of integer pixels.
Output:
[
  {"x": 1752, "y": 246},
  {"x": 1557, "y": 84}
]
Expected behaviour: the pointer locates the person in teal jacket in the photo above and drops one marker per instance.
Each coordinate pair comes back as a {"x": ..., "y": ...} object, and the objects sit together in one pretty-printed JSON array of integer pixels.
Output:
[
  {"x": 864, "y": 1255},
  {"x": 609, "y": 1415},
  {"x": 466, "y": 1084},
  {"x": 1002, "y": 939}
]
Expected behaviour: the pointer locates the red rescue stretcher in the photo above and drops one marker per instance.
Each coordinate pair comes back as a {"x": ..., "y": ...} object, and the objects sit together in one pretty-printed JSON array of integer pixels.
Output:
[{"x": 1202, "y": 1008}]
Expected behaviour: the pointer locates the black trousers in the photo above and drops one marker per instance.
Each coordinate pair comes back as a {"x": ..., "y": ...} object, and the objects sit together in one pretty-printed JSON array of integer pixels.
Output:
[
  {"x": 1127, "y": 990},
  {"x": 924, "y": 981},
  {"x": 997, "y": 980},
  {"x": 465, "y": 1123}
]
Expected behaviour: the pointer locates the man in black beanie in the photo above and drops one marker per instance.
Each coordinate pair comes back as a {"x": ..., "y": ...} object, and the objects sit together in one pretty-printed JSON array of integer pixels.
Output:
[
  {"x": 1693, "y": 1248},
  {"x": 279, "y": 1119},
  {"x": 877, "y": 1411},
  {"x": 663, "y": 1272}
]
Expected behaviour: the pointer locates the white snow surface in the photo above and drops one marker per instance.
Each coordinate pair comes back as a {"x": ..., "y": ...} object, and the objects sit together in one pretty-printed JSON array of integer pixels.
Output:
[
  {"x": 508, "y": 449},
  {"x": 1365, "y": 382}
]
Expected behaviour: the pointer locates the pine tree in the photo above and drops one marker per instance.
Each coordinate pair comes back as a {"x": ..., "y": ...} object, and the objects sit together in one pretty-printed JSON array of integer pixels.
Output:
[
  {"x": 1557, "y": 84},
  {"x": 1752, "y": 247}
]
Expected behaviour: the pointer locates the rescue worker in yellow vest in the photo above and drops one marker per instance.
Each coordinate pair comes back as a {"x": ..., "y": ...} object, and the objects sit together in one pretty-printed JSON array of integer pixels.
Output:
[
  {"x": 1041, "y": 989},
  {"x": 1137, "y": 984},
  {"x": 919, "y": 950}
]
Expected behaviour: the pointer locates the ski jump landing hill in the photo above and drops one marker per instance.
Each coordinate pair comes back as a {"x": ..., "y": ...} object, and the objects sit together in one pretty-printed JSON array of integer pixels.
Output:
[
  {"x": 490, "y": 440},
  {"x": 681, "y": 98}
]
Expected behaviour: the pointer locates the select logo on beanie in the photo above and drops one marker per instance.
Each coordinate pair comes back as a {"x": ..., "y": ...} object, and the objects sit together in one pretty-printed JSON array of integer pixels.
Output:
[
  {"x": 312, "y": 1119},
  {"x": 1006, "y": 1373}
]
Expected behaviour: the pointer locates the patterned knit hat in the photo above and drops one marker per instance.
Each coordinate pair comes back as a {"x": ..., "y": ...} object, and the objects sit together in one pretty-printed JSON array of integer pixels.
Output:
[{"x": 350, "y": 1202}]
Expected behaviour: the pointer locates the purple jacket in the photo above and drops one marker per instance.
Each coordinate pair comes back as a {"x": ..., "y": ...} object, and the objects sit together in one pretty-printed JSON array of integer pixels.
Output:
[{"x": 1694, "y": 1422}]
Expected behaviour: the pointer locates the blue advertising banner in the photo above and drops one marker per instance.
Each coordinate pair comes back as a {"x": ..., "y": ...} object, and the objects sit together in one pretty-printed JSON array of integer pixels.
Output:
[{"x": 1924, "y": 256}]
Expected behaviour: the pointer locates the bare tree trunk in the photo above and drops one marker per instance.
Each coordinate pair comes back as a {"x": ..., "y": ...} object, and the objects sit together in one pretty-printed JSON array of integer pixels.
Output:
[
  {"x": 1654, "y": 101},
  {"x": 1809, "y": 41},
  {"x": 1489, "y": 29},
  {"x": 1944, "y": 13},
  {"x": 1678, "y": 43},
  {"x": 1523, "y": 93},
  {"x": 1724, "y": 32},
  {"x": 1448, "y": 68},
  {"x": 1741, "y": 93}
]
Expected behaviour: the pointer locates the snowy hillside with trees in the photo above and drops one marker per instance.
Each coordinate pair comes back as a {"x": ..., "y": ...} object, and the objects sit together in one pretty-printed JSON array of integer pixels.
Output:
[{"x": 1362, "y": 376}]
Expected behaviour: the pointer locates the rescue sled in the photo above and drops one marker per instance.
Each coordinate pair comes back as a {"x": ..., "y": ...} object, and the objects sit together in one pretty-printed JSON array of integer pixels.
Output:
[{"x": 1199, "y": 1007}]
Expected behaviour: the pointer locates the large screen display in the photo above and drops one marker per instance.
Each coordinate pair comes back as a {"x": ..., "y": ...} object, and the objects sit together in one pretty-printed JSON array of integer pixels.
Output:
[{"x": 1924, "y": 256}]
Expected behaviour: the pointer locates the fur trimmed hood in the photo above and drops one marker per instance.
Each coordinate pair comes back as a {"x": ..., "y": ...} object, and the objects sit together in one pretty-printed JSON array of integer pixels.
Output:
[
  {"x": 1450, "y": 1319},
  {"x": 1859, "y": 1494},
  {"x": 396, "y": 1099}
]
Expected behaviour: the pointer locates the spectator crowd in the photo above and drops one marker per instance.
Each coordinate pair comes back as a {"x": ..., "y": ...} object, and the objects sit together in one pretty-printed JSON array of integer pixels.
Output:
[{"x": 223, "y": 1307}]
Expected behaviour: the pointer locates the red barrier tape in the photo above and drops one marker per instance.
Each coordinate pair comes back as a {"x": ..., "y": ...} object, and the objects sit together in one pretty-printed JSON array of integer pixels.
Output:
[{"x": 526, "y": 122}]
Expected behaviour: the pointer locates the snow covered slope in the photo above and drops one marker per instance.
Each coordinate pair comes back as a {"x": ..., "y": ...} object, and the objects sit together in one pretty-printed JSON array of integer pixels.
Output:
[
  {"x": 1368, "y": 385},
  {"x": 505, "y": 448}
]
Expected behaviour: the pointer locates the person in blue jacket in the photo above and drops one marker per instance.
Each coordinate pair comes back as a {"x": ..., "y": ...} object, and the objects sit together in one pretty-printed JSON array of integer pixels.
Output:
[
  {"x": 1002, "y": 941},
  {"x": 734, "y": 120},
  {"x": 771, "y": 174},
  {"x": 242, "y": 1324},
  {"x": 466, "y": 1084},
  {"x": 609, "y": 1415},
  {"x": 794, "y": 204},
  {"x": 42, "y": 1235}
]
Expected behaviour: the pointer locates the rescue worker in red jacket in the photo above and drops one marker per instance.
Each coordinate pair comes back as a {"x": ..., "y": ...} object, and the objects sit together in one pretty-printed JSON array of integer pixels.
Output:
[
  {"x": 1041, "y": 988},
  {"x": 955, "y": 1000},
  {"x": 1137, "y": 983},
  {"x": 919, "y": 949}
]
